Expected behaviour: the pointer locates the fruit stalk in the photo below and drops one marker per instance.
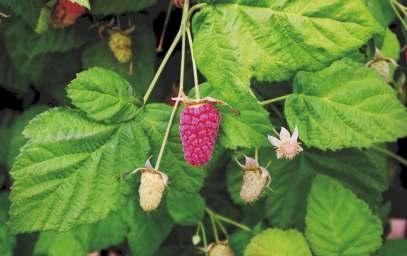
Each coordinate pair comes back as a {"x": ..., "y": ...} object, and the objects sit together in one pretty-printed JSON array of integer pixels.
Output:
[{"x": 181, "y": 86}]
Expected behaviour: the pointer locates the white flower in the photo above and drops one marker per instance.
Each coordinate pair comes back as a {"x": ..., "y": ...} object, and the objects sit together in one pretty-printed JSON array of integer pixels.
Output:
[{"x": 287, "y": 146}]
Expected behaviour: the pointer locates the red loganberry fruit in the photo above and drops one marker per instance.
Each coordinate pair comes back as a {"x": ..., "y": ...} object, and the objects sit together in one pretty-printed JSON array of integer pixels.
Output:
[
  {"x": 66, "y": 13},
  {"x": 199, "y": 126}
]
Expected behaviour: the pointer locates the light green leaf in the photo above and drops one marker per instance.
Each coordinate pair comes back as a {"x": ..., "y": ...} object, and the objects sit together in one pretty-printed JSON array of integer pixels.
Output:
[
  {"x": 184, "y": 180},
  {"x": 119, "y": 7},
  {"x": 356, "y": 109},
  {"x": 249, "y": 127},
  {"x": 147, "y": 231},
  {"x": 143, "y": 42},
  {"x": 84, "y": 3},
  {"x": 339, "y": 223},
  {"x": 392, "y": 247},
  {"x": 362, "y": 171},
  {"x": 390, "y": 45},
  {"x": 103, "y": 95},
  {"x": 67, "y": 173},
  {"x": 236, "y": 41},
  {"x": 58, "y": 244},
  {"x": 16, "y": 138},
  {"x": 86, "y": 238},
  {"x": 276, "y": 242}
]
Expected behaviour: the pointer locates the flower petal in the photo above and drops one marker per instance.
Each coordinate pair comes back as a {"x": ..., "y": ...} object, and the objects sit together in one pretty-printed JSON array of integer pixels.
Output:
[
  {"x": 273, "y": 140},
  {"x": 294, "y": 137},
  {"x": 284, "y": 134}
]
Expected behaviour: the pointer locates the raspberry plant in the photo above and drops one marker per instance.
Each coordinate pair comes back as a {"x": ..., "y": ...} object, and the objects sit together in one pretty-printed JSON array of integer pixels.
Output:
[{"x": 309, "y": 93}]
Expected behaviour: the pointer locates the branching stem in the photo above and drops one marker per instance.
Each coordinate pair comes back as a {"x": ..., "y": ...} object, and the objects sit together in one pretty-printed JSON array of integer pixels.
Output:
[
  {"x": 269, "y": 101},
  {"x": 181, "y": 85},
  {"x": 194, "y": 69},
  {"x": 391, "y": 154},
  {"x": 227, "y": 220}
]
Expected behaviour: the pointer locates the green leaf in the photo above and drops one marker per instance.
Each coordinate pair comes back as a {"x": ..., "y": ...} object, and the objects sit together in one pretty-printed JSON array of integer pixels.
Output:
[
  {"x": 357, "y": 109},
  {"x": 382, "y": 11},
  {"x": 396, "y": 247},
  {"x": 62, "y": 244},
  {"x": 84, "y": 3},
  {"x": 143, "y": 42},
  {"x": 276, "y": 242},
  {"x": 241, "y": 238},
  {"x": 250, "y": 127},
  {"x": 339, "y": 223},
  {"x": 16, "y": 138},
  {"x": 29, "y": 51},
  {"x": 236, "y": 41},
  {"x": 103, "y": 95},
  {"x": 186, "y": 209},
  {"x": 10, "y": 77},
  {"x": 27, "y": 10},
  {"x": 119, "y": 7},
  {"x": 147, "y": 231},
  {"x": 390, "y": 45},
  {"x": 86, "y": 238},
  {"x": 67, "y": 172},
  {"x": 362, "y": 171},
  {"x": 185, "y": 181},
  {"x": 7, "y": 240}
]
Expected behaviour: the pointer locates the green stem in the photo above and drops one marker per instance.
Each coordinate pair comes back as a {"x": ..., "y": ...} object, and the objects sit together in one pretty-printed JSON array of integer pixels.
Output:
[
  {"x": 181, "y": 85},
  {"x": 269, "y": 101},
  {"x": 394, "y": 4},
  {"x": 256, "y": 154},
  {"x": 194, "y": 69},
  {"x": 391, "y": 154},
  {"x": 161, "y": 67},
  {"x": 167, "y": 19},
  {"x": 214, "y": 229},
  {"x": 227, "y": 220},
  {"x": 204, "y": 239},
  {"x": 195, "y": 8},
  {"x": 222, "y": 228}
]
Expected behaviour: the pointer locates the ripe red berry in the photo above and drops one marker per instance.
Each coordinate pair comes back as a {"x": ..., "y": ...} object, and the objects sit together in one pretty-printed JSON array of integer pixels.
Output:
[
  {"x": 199, "y": 128},
  {"x": 66, "y": 13}
]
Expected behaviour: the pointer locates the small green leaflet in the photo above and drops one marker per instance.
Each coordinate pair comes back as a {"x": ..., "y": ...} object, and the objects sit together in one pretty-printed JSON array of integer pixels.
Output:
[
  {"x": 103, "y": 95},
  {"x": 184, "y": 203},
  {"x": 339, "y": 223},
  {"x": 67, "y": 173},
  {"x": 277, "y": 242},
  {"x": 356, "y": 109},
  {"x": 236, "y": 41},
  {"x": 364, "y": 172},
  {"x": 84, "y": 3},
  {"x": 249, "y": 127}
]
